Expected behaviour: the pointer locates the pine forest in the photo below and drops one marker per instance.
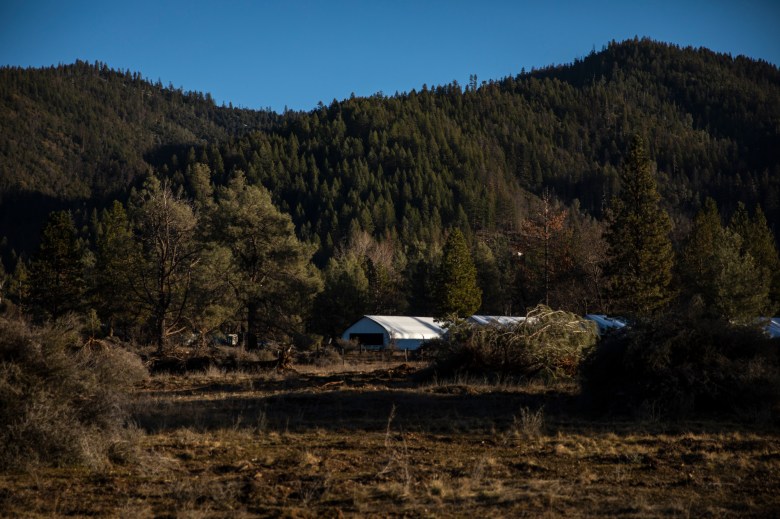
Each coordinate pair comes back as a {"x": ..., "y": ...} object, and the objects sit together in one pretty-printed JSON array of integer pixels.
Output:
[{"x": 159, "y": 212}]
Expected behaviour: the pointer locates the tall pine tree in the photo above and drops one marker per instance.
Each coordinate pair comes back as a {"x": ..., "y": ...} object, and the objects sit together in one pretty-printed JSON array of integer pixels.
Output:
[
  {"x": 274, "y": 278},
  {"x": 640, "y": 256},
  {"x": 115, "y": 253},
  {"x": 457, "y": 290},
  {"x": 758, "y": 241},
  {"x": 721, "y": 277},
  {"x": 699, "y": 248},
  {"x": 739, "y": 288},
  {"x": 57, "y": 270}
]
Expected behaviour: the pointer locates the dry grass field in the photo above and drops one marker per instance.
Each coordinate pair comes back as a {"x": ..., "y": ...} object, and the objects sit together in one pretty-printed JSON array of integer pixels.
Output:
[{"x": 367, "y": 440}]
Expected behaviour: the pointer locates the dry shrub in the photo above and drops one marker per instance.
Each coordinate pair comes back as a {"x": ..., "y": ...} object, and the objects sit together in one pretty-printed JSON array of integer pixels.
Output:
[
  {"x": 61, "y": 401},
  {"x": 322, "y": 358},
  {"x": 549, "y": 344},
  {"x": 677, "y": 367},
  {"x": 529, "y": 423}
]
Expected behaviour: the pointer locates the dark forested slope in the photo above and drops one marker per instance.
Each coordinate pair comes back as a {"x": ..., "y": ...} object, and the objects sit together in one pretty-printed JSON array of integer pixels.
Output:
[
  {"x": 410, "y": 165},
  {"x": 464, "y": 156},
  {"x": 84, "y": 132},
  {"x": 712, "y": 119}
]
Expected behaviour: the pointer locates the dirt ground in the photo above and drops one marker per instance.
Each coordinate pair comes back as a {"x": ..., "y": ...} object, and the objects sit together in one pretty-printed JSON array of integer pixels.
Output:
[{"x": 371, "y": 441}]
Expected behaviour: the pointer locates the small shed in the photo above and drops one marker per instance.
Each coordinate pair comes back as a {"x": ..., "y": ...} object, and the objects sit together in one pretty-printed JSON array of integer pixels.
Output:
[{"x": 401, "y": 332}]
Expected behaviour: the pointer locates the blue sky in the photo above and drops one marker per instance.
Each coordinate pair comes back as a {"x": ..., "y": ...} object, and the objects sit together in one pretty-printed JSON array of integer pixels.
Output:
[{"x": 259, "y": 54}]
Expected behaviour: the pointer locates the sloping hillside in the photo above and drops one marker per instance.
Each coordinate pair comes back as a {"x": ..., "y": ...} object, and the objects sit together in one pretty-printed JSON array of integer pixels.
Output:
[
  {"x": 449, "y": 155},
  {"x": 76, "y": 135},
  {"x": 409, "y": 165}
]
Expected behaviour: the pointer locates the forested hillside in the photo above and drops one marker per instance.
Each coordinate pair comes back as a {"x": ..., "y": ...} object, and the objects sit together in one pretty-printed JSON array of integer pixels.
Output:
[
  {"x": 463, "y": 155},
  {"x": 518, "y": 164},
  {"x": 82, "y": 134},
  {"x": 442, "y": 155}
]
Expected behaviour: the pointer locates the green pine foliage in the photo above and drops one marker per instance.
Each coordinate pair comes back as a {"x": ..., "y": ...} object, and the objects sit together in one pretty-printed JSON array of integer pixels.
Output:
[
  {"x": 344, "y": 298},
  {"x": 640, "y": 256},
  {"x": 272, "y": 275},
  {"x": 721, "y": 278},
  {"x": 98, "y": 124},
  {"x": 115, "y": 252},
  {"x": 699, "y": 248},
  {"x": 759, "y": 242},
  {"x": 402, "y": 169},
  {"x": 412, "y": 164},
  {"x": 56, "y": 278},
  {"x": 739, "y": 287},
  {"x": 457, "y": 291}
]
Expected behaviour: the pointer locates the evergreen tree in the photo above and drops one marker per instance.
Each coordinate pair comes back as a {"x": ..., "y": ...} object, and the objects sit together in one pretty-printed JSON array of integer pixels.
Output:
[
  {"x": 384, "y": 284},
  {"x": 421, "y": 277},
  {"x": 738, "y": 289},
  {"x": 740, "y": 223},
  {"x": 720, "y": 277},
  {"x": 489, "y": 276},
  {"x": 344, "y": 298},
  {"x": 699, "y": 249},
  {"x": 457, "y": 291},
  {"x": 212, "y": 302},
  {"x": 640, "y": 256},
  {"x": 115, "y": 254},
  {"x": 758, "y": 241},
  {"x": 274, "y": 278},
  {"x": 57, "y": 270},
  {"x": 166, "y": 229},
  {"x": 383, "y": 265},
  {"x": 199, "y": 184}
]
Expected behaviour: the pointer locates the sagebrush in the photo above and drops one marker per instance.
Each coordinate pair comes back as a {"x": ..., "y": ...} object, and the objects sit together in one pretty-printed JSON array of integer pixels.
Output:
[{"x": 62, "y": 400}]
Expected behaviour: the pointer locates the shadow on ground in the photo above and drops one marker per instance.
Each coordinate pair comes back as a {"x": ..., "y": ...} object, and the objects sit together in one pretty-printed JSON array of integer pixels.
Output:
[{"x": 351, "y": 402}]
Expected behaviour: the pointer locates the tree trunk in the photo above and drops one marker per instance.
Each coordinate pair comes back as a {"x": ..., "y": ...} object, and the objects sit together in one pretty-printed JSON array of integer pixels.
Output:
[
  {"x": 251, "y": 322},
  {"x": 160, "y": 332}
]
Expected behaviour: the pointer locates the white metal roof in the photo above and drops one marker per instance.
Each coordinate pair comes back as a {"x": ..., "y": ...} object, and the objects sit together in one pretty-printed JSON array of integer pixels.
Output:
[
  {"x": 500, "y": 320},
  {"x": 606, "y": 323},
  {"x": 772, "y": 327},
  {"x": 404, "y": 327}
]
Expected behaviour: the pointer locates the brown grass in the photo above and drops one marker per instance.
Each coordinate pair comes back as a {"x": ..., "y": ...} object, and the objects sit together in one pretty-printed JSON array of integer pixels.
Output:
[{"x": 331, "y": 442}]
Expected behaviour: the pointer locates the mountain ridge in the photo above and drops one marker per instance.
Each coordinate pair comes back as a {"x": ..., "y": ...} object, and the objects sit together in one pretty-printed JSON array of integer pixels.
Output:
[{"x": 410, "y": 165}]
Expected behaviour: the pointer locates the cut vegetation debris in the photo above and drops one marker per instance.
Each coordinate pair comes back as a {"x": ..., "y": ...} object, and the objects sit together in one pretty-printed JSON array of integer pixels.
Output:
[{"x": 547, "y": 344}]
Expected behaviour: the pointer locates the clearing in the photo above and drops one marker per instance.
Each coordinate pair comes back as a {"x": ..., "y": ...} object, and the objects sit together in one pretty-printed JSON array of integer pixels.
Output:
[{"x": 367, "y": 440}]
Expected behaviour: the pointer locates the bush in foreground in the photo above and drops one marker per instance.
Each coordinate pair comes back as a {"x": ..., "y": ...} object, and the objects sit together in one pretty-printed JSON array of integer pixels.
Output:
[
  {"x": 676, "y": 367},
  {"x": 548, "y": 344},
  {"x": 61, "y": 401}
]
